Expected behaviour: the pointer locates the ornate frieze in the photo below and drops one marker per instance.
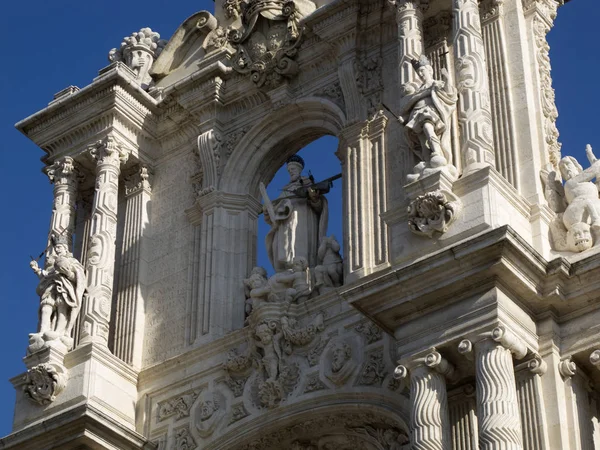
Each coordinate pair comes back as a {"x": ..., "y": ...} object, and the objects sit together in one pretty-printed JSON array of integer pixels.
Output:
[
  {"x": 374, "y": 369},
  {"x": 178, "y": 407},
  {"x": 184, "y": 439},
  {"x": 371, "y": 332}
]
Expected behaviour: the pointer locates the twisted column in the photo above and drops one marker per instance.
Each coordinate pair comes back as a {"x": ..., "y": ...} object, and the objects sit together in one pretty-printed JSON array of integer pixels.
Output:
[
  {"x": 63, "y": 175},
  {"x": 474, "y": 111},
  {"x": 497, "y": 404},
  {"x": 101, "y": 254},
  {"x": 429, "y": 420}
]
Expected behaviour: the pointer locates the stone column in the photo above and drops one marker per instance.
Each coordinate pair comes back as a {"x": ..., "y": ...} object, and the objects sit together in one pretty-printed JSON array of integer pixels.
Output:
[
  {"x": 429, "y": 420},
  {"x": 63, "y": 175},
  {"x": 497, "y": 406},
  {"x": 463, "y": 418},
  {"x": 101, "y": 253},
  {"x": 224, "y": 253},
  {"x": 129, "y": 315},
  {"x": 492, "y": 16},
  {"x": 474, "y": 112}
]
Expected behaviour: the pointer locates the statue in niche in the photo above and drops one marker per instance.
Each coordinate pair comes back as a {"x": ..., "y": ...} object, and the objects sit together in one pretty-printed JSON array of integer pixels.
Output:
[
  {"x": 298, "y": 218},
  {"x": 61, "y": 289},
  {"x": 138, "y": 52},
  {"x": 425, "y": 111},
  {"x": 577, "y": 225},
  {"x": 330, "y": 271}
]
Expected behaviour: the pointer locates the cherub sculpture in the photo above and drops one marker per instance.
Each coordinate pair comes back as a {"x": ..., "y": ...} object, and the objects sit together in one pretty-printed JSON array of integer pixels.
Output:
[
  {"x": 425, "y": 111},
  {"x": 293, "y": 284},
  {"x": 61, "y": 290},
  {"x": 268, "y": 340},
  {"x": 577, "y": 225},
  {"x": 257, "y": 289},
  {"x": 330, "y": 271}
]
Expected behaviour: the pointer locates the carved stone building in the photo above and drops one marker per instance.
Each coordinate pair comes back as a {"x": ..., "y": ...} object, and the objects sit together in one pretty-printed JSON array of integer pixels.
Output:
[{"x": 467, "y": 317}]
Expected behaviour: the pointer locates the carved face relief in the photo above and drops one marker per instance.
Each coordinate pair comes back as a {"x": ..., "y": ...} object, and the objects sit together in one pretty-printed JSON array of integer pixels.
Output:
[
  {"x": 340, "y": 355},
  {"x": 207, "y": 409},
  {"x": 579, "y": 237},
  {"x": 295, "y": 170}
]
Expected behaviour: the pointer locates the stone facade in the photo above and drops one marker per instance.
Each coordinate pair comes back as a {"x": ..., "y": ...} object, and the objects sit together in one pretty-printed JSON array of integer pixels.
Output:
[{"x": 456, "y": 311}]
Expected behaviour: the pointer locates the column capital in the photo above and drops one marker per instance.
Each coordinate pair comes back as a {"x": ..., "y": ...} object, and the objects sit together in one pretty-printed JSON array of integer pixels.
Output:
[
  {"x": 109, "y": 151},
  {"x": 432, "y": 360},
  {"x": 490, "y": 9},
  {"x": 63, "y": 171},
  {"x": 567, "y": 368},
  {"x": 138, "y": 181},
  {"x": 410, "y": 5}
]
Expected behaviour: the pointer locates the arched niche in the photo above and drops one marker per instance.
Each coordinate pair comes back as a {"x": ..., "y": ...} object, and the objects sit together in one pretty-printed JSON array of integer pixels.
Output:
[{"x": 370, "y": 422}]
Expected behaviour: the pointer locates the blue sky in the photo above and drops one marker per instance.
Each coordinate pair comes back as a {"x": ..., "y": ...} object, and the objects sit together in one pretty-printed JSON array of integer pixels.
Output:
[{"x": 51, "y": 45}]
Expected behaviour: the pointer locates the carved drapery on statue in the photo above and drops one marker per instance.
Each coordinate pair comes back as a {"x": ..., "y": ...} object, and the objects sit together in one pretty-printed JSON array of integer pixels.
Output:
[
  {"x": 298, "y": 223},
  {"x": 267, "y": 41},
  {"x": 61, "y": 289}
]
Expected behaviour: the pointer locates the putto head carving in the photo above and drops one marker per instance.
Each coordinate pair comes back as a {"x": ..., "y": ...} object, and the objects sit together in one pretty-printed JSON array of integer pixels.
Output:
[{"x": 139, "y": 51}]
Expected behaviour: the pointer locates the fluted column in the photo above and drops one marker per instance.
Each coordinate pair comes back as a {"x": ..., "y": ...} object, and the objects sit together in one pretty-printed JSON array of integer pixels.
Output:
[
  {"x": 531, "y": 403},
  {"x": 429, "y": 420},
  {"x": 492, "y": 16},
  {"x": 129, "y": 315},
  {"x": 474, "y": 113},
  {"x": 497, "y": 405},
  {"x": 63, "y": 175},
  {"x": 354, "y": 157},
  {"x": 101, "y": 254}
]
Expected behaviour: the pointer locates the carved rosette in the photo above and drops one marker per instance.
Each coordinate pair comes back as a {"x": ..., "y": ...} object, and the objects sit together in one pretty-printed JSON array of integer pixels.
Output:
[
  {"x": 433, "y": 212},
  {"x": 44, "y": 382},
  {"x": 109, "y": 155},
  {"x": 267, "y": 42}
]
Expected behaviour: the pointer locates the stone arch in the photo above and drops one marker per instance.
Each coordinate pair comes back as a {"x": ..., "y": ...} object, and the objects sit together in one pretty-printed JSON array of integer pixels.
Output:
[
  {"x": 380, "y": 421},
  {"x": 279, "y": 135}
]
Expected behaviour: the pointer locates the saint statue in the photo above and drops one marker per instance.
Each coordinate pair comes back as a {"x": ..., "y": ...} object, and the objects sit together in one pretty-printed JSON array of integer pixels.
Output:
[
  {"x": 298, "y": 219},
  {"x": 425, "y": 111},
  {"x": 61, "y": 289}
]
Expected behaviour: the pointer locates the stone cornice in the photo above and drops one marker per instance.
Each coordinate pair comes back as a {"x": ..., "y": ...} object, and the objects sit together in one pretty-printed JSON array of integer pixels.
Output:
[
  {"x": 111, "y": 97},
  {"x": 495, "y": 258}
]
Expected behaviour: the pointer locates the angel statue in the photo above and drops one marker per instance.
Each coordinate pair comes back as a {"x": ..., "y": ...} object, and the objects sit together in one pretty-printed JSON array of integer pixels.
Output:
[
  {"x": 61, "y": 290},
  {"x": 577, "y": 225},
  {"x": 425, "y": 111}
]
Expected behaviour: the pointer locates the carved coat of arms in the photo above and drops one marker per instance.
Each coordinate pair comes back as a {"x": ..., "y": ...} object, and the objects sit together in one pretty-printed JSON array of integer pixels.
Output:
[{"x": 267, "y": 41}]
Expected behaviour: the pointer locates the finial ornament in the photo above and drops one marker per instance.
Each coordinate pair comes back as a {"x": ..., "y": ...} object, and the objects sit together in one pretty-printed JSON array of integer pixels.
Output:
[{"x": 138, "y": 52}]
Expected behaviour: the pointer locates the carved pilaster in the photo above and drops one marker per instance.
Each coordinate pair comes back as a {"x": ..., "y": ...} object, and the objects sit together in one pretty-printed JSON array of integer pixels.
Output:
[
  {"x": 129, "y": 314},
  {"x": 353, "y": 154},
  {"x": 429, "y": 420},
  {"x": 492, "y": 17},
  {"x": 64, "y": 176},
  {"x": 463, "y": 418},
  {"x": 101, "y": 253},
  {"x": 224, "y": 251},
  {"x": 531, "y": 403},
  {"x": 541, "y": 15},
  {"x": 474, "y": 113},
  {"x": 497, "y": 406}
]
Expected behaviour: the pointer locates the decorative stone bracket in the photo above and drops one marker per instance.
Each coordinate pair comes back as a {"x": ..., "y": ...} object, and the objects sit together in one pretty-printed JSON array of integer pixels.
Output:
[
  {"x": 433, "y": 212},
  {"x": 44, "y": 382}
]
